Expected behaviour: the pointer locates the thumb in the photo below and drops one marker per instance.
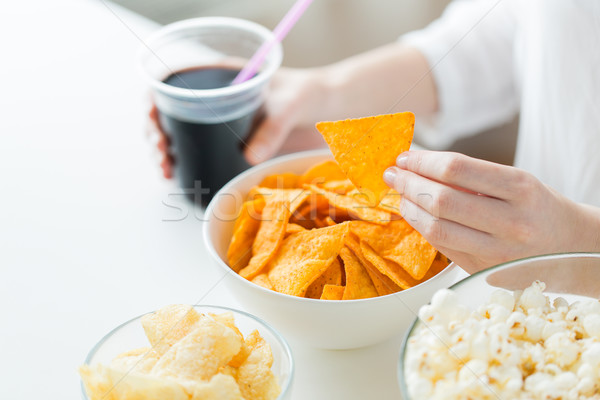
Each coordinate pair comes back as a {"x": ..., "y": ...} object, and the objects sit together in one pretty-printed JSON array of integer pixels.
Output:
[{"x": 266, "y": 140}]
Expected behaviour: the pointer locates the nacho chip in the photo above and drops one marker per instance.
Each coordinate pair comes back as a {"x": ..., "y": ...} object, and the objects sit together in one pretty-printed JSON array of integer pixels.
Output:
[
  {"x": 326, "y": 171},
  {"x": 358, "y": 283},
  {"x": 332, "y": 292},
  {"x": 353, "y": 207},
  {"x": 383, "y": 284},
  {"x": 389, "y": 268},
  {"x": 263, "y": 280},
  {"x": 293, "y": 228},
  {"x": 382, "y": 238},
  {"x": 391, "y": 202},
  {"x": 270, "y": 235},
  {"x": 200, "y": 354},
  {"x": 437, "y": 266},
  {"x": 329, "y": 221},
  {"x": 286, "y": 180},
  {"x": 244, "y": 232},
  {"x": 332, "y": 276},
  {"x": 304, "y": 256},
  {"x": 296, "y": 197},
  {"x": 255, "y": 378},
  {"x": 398, "y": 242},
  {"x": 342, "y": 186},
  {"x": 364, "y": 148},
  {"x": 413, "y": 253},
  {"x": 168, "y": 325}
]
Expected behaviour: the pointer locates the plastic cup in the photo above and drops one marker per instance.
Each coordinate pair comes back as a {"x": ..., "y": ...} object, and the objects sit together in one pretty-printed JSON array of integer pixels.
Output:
[{"x": 189, "y": 66}]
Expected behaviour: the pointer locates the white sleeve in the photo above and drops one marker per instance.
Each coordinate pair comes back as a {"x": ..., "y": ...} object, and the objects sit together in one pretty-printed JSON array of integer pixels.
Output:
[{"x": 470, "y": 50}]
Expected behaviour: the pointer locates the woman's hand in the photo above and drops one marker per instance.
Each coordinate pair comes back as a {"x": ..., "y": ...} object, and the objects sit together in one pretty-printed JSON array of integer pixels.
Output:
[{"x": 480, "y": 214}]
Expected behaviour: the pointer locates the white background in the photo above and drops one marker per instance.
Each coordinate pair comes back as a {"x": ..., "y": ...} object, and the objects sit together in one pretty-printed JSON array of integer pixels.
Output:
[{"x": 85, "y": 241}]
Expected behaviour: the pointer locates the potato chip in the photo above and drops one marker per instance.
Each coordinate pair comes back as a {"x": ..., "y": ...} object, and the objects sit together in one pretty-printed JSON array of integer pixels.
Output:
[
  {"x": 353, "y": 207},
  {"x": 255, "y": 378},
  {"x": 220, "y": 387},
  {"x": 263, "y": 280},
  {"x": 286, "y": 180},
  {"x": 228, "y": 320},
  {"x": 414, "y": 254},
  {"x": 332, "y": 276},
  {"x": 304, "y": 256},
  {"x": 211, "y": 362},
  {"x": 168, "y": 325},
  {"x": 270, "y": 235},
  {"x": 96, "y": 382},
  {"x": 389, "y": 268},
  {"x": 325, "y": 171},
  {"x": 332, "y": 292},
  {"x": 383, "y": 284},
  {"x": 105, "y": 383},
  {"x": 244, "y": 231},
  {"x": 342, "y": 186},
  {"x": 200, "y": 354},
  {"x": 358, "y": 283},
  {"x": 365, "y": 147},
  {"x": 140, "y": 360}
]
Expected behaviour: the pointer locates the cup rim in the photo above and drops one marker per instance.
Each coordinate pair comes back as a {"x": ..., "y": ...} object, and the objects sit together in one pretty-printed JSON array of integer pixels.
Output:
[
  {"x": 208, "y": 242},
  {"x": 400, "y": 366},
  {"x": 279, "y": 337},
  {"x": 256, "y": 81}
]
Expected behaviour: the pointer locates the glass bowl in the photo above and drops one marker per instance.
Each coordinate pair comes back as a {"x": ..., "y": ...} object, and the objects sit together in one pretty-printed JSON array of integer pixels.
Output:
[
  {"x": 572, "y": 276},
  {"x": 130, "y": 335}
]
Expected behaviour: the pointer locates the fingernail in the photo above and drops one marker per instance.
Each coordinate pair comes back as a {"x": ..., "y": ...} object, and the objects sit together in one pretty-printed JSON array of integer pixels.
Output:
[
  {"x": 402, "y": 160},
  {"x": 389, "y": 176}
]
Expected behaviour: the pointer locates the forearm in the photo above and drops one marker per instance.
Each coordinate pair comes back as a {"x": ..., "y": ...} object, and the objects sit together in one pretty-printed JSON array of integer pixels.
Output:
[{"x": 388, "y": 79}]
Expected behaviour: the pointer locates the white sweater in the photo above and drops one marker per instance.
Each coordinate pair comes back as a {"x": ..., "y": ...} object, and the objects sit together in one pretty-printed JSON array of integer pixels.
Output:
[{"x": 493, "y": 58}]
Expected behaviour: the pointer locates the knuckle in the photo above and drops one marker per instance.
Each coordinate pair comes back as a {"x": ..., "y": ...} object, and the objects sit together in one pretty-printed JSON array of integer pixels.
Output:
[
  {"x": 523, "y": 184},
  {"x": 434, "y": 232},
  {"x": 453, "y": 167},
  {"x": 443, "y": 202},
  {"x": 521, "y": 230}
]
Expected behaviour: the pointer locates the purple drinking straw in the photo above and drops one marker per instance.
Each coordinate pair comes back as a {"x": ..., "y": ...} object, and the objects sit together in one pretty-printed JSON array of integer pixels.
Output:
[{"x": 279, "y": 33}]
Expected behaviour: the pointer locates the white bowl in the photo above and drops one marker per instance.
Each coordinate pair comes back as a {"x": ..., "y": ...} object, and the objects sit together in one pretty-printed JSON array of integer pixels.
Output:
[{"x": 317, "y": 323}]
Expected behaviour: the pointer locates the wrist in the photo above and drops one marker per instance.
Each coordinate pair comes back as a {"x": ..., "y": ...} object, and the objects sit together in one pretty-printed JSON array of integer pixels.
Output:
[{"x": 588, "y": 228}]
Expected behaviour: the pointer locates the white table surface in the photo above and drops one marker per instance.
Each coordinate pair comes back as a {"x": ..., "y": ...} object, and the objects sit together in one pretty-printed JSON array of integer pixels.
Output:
[{"x": 85, "y": 239}]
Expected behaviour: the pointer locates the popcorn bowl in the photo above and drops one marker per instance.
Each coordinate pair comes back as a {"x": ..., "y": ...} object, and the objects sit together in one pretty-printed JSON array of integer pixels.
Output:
[
  {"x": 130, "y": 335},
  {"x": 572, "y": 276},
  {"x": 317, "y": 323}
]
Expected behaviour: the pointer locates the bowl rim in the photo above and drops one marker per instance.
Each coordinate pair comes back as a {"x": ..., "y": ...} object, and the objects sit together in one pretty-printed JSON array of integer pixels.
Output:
[
  {"x": 208, "y": 243},
  {"x": 279, "y": 337},
  {"x": 501, "y": 266}
]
